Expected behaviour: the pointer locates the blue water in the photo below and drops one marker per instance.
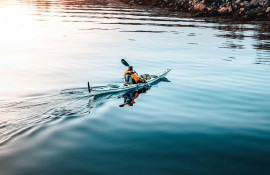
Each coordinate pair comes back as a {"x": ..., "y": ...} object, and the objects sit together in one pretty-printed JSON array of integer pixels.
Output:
[{"x": 210, "y": 116}]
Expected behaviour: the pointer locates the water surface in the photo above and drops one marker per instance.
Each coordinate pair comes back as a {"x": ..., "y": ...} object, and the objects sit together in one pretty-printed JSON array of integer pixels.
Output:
[{"x": 211, "y": 115}]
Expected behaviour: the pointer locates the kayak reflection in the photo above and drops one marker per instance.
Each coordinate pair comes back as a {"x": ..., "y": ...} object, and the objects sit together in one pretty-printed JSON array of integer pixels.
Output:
[{"x": 130, "y": 96}]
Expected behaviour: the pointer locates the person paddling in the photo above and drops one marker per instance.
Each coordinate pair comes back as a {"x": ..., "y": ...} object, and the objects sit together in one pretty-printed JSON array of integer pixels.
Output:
[{"x": 130, "y": 76}]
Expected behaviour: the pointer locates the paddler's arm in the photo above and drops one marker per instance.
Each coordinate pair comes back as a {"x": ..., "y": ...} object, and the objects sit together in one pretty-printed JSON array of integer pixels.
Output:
[{"x": 129, "y": 72}]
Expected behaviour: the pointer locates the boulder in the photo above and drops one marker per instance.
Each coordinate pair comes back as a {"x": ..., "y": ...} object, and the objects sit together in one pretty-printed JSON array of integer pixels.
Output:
[
  {"x": 200, "y": 7},
  {"x": 245, "y": 4},
  {"x": 238, "y": 1},
  {"x": 209, "y": 9},
  {"x": 242, "y": 11},
  {"x": 225, "y": 10},
  {"x": 255, "y": 2},
  {"x": 264, "y": 2}
]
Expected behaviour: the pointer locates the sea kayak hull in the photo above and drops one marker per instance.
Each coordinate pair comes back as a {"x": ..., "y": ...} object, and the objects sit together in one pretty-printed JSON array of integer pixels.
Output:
[{"x": 124, "y": 87}]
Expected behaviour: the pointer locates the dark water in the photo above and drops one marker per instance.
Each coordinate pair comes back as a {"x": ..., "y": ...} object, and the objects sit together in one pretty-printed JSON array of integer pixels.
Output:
[{"x": 210, "y": 116}]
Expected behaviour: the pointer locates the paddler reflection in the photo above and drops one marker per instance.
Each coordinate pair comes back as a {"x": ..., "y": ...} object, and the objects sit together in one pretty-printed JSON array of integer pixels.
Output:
[{"x": 130, "y": 96}]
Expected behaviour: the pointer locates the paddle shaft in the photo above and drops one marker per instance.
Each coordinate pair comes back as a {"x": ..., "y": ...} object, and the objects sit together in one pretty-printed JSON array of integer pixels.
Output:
[{"x": 124, "y": 62}]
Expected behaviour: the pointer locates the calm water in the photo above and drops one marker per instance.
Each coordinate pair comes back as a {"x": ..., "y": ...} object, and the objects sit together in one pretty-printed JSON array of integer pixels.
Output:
[{"x": 210, "y": 116}]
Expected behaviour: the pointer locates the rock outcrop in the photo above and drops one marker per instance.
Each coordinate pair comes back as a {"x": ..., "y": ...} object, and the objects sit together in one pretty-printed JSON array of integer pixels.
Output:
[{"x": 245, "y": 9}]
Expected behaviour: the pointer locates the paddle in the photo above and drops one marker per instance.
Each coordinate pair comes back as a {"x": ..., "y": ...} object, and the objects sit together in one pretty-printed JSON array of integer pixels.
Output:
[
  {"x": 124, "y": 62},
  {"x": 89, "y": 89}
]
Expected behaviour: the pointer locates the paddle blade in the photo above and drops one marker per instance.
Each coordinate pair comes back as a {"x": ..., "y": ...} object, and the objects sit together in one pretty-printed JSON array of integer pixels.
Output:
[
  {"x": 124, "y": 62},
  {"x": 89, "y": 89}
]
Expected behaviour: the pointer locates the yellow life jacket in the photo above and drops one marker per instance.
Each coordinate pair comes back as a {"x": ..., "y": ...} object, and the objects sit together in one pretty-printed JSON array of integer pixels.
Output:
[{"x": 129, "y": 76}]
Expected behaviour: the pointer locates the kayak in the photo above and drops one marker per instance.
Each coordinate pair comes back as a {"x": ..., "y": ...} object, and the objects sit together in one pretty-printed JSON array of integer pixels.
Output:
[{"x": 112, "y": 88}]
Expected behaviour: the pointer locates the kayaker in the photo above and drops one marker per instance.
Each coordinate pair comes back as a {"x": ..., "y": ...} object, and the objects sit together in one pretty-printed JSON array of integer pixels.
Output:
[{"x": 130, "y": 76}]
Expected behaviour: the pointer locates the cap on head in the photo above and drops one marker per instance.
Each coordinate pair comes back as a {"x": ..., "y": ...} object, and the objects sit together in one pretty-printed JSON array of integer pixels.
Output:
[{"x": 130, "y": 67}]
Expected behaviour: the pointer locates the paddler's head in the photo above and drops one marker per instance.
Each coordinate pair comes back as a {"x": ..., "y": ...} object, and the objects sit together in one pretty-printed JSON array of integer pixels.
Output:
[{"x": 130, "y": 68}]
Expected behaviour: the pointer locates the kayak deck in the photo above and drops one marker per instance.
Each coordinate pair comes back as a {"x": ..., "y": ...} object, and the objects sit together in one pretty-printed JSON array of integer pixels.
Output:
[{"x": 122, "y": 86}]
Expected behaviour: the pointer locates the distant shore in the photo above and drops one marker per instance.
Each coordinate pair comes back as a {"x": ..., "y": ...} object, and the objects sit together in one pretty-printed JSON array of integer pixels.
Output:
[{"x": 234, "y": 9}]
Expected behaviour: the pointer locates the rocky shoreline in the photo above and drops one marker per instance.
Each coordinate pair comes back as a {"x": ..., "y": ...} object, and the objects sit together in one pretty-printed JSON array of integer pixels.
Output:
[{"x": 237, "y": 9}]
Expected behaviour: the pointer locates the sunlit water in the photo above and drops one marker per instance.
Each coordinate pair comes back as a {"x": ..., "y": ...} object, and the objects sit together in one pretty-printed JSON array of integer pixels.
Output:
[{"x": 211, "y": 116}]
